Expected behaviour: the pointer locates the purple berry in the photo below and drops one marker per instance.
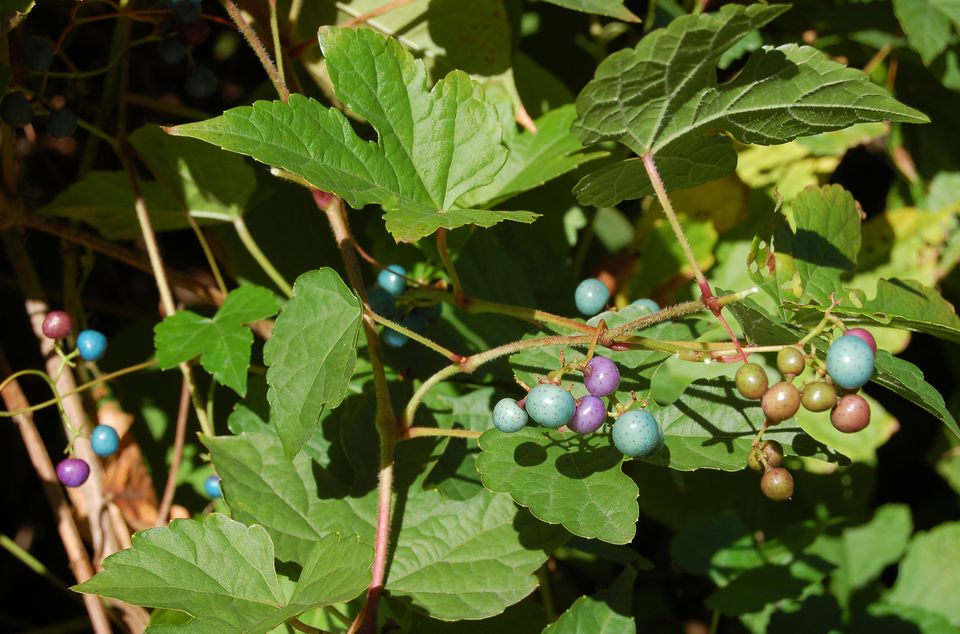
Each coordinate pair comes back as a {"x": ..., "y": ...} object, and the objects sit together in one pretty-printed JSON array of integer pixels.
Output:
[
  {"x": 589, "y": 416},
  {"x": 601, "y": 376},
  {"x": 73, "y": 472},
  {"x": 864, "y": 334},
  {"x": 57, "y": 324}
]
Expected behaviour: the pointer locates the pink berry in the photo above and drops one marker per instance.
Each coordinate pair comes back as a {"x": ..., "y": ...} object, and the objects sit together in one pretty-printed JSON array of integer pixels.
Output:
[
  {"x": 57, "y": 324},
  {"x": 589, "y": 415},
  {"x": 864, "y": 334},
  {"x": 601, "y": 376}
]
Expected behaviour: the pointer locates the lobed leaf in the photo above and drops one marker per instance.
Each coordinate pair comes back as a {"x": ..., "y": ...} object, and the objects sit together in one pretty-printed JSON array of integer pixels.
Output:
[{"x": 607, "y": 611}]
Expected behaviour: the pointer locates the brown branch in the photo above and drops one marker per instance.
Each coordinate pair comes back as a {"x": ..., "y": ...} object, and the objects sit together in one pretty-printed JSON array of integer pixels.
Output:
[{"x": 170, "y": 488}]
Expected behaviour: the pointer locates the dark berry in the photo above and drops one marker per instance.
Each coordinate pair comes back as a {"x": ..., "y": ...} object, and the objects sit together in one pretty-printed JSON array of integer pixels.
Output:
[
  {"x": 200, "y": 82},
  {"x": 37, "y": 53},
  {"x": 431, "y": 313},
  {"x": 790, "y": 361},
  {"x": 751, "y": 381},
  {"x": 381, "y": 302},
  {"x": 16, "y": 110},
  {"x": 766, "y": 455},
  {"x": 104, "y": 440},
  {"x": 818, "y": 396},
  {"x": 777, "y": 484},
  {"x": 73, "y": 472},
  {"x": 188, "y": 10},
  {"x": 194, "y": 33},
  {"x": 57, "y": 324},
  {"x": 850, "y": 361},
  {"x": 601, "y": 376},
  {"x": 92, "y": 345},
  {"x": 780, "y": 402},
  {"x": 589, "y": 415},
  {"x": 62, "y": 123},
  {"x": 172, "y": 50},
  {"x": 851, "y": 414}
]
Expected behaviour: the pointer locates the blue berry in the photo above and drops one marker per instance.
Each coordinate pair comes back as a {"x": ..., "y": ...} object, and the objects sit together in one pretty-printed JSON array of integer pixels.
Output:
[
  {"x": 92, "y": 345},
  {"x": 647, "y": 305},
  {"x": 394, "y": 339},
  {"x": 380, "y": 301},
  {"x": 589, "y": 416},
  {"x": 601, "y": 376},
  {"x": 37, "y": 53},
  {"x": 393, "y": 280},
  {"x": 508, "y": 416},
  {"x": 550, "y": 405},
  {"x": 172, "y": 51},
  {"x": 850, "y": 362},
  {"x": 104, "y": 440},
  {"x": 73, "y": 472},
  {"x": 200, "y": 82},
  {"x": 16, "y": 110},
  {"x": 637, "y": 434},
  {"x": 431, "y": 313},
  {"x": 62, "y": 123},
  {"x": 591, "y": 296},
  {"x": 211, "y": 486}
]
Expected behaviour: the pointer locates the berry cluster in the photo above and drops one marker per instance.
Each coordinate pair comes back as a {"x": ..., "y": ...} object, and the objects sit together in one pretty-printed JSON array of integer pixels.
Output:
[
  {"x": 382, "y": 299},
  {"x": 635, "y": 433},
  {"x": 181, "y": 33},
  {"x": 849, "y": 365},
  {"x": 36, "y": 56}
]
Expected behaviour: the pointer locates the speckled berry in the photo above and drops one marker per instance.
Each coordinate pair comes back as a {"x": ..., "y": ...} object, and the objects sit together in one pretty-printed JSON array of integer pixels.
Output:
[
  {"x": 550, "y": 405},
  {"x": 851, "y": 414},
  {"x": 751, "y": 381},
  {"x": 780, "y": 402},
  {"x": 591, "y": 296},
  {"x": 211, "y": 486},
  {"x": 57, "y": 324},
  {"x": 104, "y": 440},
  {"x": 777, "y": 484},
  {"x": 637, "y": 434},
  {"x": 767, "y": 451},
  {"x": 850, "y": 362},
  {"x": 508, "y": 416},
  {"x": 92, "y": 345},
  {"x": 818, "y": 396},
  {"x": 589, "y": 415},
  {"x": 393, "y": 280},
  {"x": 790, "y": 361},
  {"x": 864, "y": 334},
  {"x": 73, "y": 472},
  {"x": 601, "y": 376},
  {"x": 648, "y": 305}
]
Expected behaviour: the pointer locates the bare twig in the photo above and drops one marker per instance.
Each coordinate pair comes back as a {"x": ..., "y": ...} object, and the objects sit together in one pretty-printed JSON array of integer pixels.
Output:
[{"x": 182, "y": 412}]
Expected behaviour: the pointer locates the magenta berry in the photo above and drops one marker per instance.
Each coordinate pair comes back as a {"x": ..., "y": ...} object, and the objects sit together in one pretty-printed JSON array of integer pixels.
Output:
[
  {"x": 57, "y": 324},
  {"x": 589, "y": 415},
  {"x": 601, "y": 376},
  {"x": 864, "y": 334},
  {"x": 851, "y": 414},
  {"x": 73, "y": 472}
]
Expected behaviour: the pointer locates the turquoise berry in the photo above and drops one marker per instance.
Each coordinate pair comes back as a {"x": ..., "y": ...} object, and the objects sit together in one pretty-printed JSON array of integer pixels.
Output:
[
  {"x": 637, "y": 434},
  {"x": 508, "y": 416},
  {"x": 104, "y": 440},
  {"x": 550, "y": 405},
  {"x": 381, "y": 302},
  {"x": 393, "y": 280},
  {"x": 211, "y": 486},
  {"x": 92, "y": 345},
  {"x": 591, "y": 296},
  {"x": 394, "y": 339},
  {"x": 648, "y": 305},
  {"x": 850, "y": 362}
]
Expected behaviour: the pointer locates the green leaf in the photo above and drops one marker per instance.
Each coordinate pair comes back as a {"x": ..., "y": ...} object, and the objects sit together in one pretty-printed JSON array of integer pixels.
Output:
[
  {"x": 929, "y": 575},
  {"x": 563, "y": 479},
  {"x": 433, "y": 146},
  {"x": 662, "y": 97},
  {"x": 607, "y": 611},
  {"x": 906, "y": 379},
  {"x": 223, "y": 342},
  {"x": 222, "y": 574},
  {"x": 311, "y": 355},
  {"x": 928, "y": 24},
  {"x": 611, "y": 8}
]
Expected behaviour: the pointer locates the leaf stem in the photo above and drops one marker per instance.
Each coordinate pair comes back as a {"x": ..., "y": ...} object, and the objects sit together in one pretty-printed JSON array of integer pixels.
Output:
[
  {"x": 254, "y": 250},
  {"x": 277, "y": 48},
  {"x": 420, "y": 432},
  {"x": 163, "y": 512},
  {"x": 448, "y": 265},
  {"x": 258, "y": 48},
  {"x": 449, "y": 355}
]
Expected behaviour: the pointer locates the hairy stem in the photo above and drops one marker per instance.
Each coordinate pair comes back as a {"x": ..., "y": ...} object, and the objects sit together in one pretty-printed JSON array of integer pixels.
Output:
[
  {"x": 258, "y": 48},
  {"x": 277, "y": 48},
  {"x": 436, "y": 347}
]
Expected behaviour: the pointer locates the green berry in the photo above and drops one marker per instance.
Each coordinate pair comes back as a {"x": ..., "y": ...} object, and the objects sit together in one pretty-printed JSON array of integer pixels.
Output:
[
  {"x": 790, "y": 361},
  {"x": 751, "y": 381},
  {"x": 818, "y": 396},
  {"x": 777, "y": 484},
  {"x": 780, "y": 402}
]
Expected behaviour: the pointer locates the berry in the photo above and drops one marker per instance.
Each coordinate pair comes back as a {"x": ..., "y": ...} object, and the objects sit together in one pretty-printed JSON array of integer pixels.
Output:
[
  {"x": 550, "y": 405},
  {"x": 818, "y": 396},
  {"x": 508, "y": 416},
  {"x": 851, "y": 414},
  {"x": 57, "y": 324},
  {"x": 589, "y": 415},
  {"x": 37, "y": 53},
  {"x": 394, "y": 339},
  {"x": 591, "y": 296},
  {"x": 211, "y": 486},
  {"x": 104, "y": 440},
  {"x": 92, "y": 345},
  {"x": 187, "y": 10},
  {"x": 194, "y": 33},
  {"x": 780, "y": 402},
  {"x": 62, "y": 123},
  {"x": 200, "y": 82},
  {"x": 393, "y": 280},
  {"x": 790, "y": 361},
  {"x": 430, "y": 313},
  {"x": 380, "y": 301},
  {"x": 864, "y": 334},
  {"x": 172, "y": 51},
  {"x": 637, "y": 434},
  {"x": 601, "y": 376},
  {"x": 850, "y": 361},
  {"x": 769, "y": 452},
  {"x": 777, "y": 484},
  {"x": 16, "y": 110},
  {"x": 647, "y": 304},
  {"x": 73, "y": 472},
  {"x": 752, "y": 381}
]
